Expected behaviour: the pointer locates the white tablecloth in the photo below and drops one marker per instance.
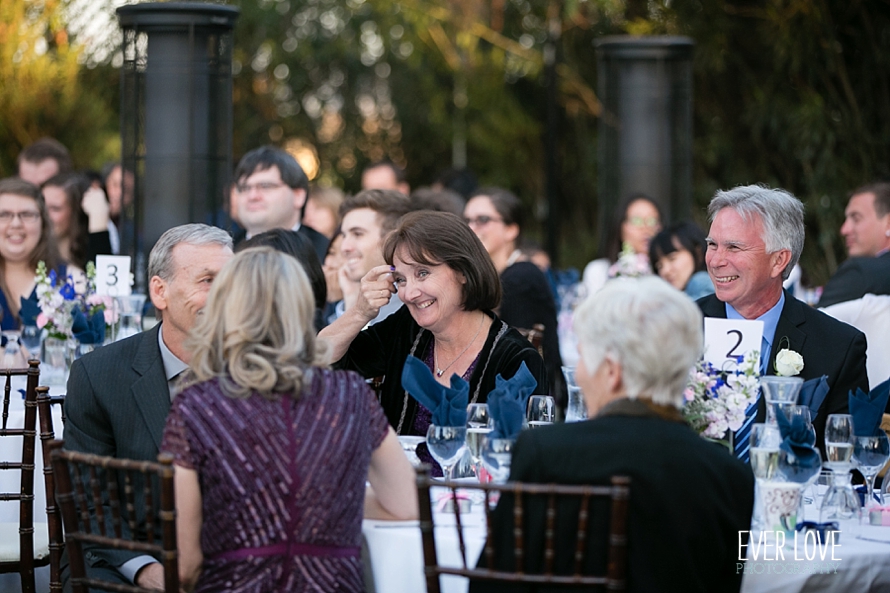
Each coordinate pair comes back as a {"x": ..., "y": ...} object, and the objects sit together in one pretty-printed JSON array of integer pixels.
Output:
[
  {"x": 396, "y": 550},
  {"x": 10, "y": 449}
]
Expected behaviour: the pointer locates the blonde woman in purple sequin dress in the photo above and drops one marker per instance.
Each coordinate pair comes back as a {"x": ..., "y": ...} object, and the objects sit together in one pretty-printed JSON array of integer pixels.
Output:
[{"x": 272, "y": 448}]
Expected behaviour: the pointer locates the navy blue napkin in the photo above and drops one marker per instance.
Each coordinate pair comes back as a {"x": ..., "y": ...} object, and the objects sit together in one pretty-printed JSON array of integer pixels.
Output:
[
  {"x": 88, "y": 330},
  {"x": 867, "y": 409},
  {"x": 448, "y": 405},
  {"x": 797, "y": 442},
  {"x": 812, "y": 394},
  {"x": 508, "y": 401},
  {"x": 29, "y": 311}
]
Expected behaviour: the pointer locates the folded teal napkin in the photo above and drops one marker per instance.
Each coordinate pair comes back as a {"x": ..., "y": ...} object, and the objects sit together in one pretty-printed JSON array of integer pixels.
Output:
[
  {"x": 798, "y": 441},
  {"x": 867, "y": 409},
  {"x": 813, "y": 392},
  {"x": 448, "y": 405},
  {"x": 507, "y": 402},
  {"x": 88, "y": 329}
]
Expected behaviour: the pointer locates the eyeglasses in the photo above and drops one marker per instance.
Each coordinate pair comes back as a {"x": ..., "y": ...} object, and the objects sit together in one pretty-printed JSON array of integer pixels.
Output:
[
  {"x": 260, "y": 186},
  {"x": 646, "y": 221},
  {"x": 482, "y": 220},
  {"x": 26, "y": 216}
]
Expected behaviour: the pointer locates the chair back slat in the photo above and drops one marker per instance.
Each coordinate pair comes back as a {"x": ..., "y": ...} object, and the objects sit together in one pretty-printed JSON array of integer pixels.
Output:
[
  {"x": 114, "y": 502},
  {"x": 53, "y": 515},
  {"x": 96, "y": 492},
  {"x": 551, "y": 509},
  {"x": 153, "y": 482},
  {"x": 462, "y": 546}
]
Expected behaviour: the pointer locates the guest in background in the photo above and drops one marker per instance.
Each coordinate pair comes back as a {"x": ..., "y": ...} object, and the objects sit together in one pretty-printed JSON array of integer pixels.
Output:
[
  {"x": 635, "y": 221},
  {"x": 290, "y": 519},
  {"x": 43, "y": 159},
  {"x": 689, "y": 499},
  {"x": 385, "y": 174},
  {"x": 26, "y": 239},
  {"x": 80, "y": 216},
  {"x": 120, "y": 187},
  {"x": 333, "y": 261},
  {"x": 323, "y": 210},
  {"x": 866, "y": 232},
  {"x": 495, "y": 215},
  {"x": 450, "y": 289},
  {"x": 870, "y": 315},
  {"x": 677, "y": 254},
  {"x": 298, "y": 247},
  {"x": 438, "y": 200}
]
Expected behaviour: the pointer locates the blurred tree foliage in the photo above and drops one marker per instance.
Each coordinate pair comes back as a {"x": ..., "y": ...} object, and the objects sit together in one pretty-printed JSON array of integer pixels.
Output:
[
  {"x": 792, "y": 93},
  {"x": 45, "y": 90}
]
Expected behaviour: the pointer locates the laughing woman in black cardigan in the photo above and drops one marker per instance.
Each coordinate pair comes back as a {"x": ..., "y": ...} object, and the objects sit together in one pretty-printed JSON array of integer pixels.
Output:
[{"x": 449, "y": 288}]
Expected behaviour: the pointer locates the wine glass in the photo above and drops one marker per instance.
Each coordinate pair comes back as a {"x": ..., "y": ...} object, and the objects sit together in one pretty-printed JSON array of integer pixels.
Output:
[
  {"x": 871, "y": 453},
  {"x": 497, "y": 455},
  {"x": 409, "y": 446},
  {"x": 447, "y": 444},
  {"x": 764, "y": 441},
  {"x": 840, "y": 502},
  {"x": 540, "y": 410},
  {"x": 576, "y": 408},
  {"x": 32, "y": 337},
  {"x": 479, "y": 424},
  {"x": 12, "y": 353}
]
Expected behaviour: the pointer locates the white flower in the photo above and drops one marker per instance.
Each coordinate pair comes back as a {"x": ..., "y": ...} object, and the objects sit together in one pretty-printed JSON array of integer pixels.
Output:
[{"x": 788, "y": 363}]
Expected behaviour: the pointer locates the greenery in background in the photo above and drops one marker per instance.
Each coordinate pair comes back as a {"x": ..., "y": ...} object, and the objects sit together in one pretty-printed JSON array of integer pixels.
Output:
[{"x": 793, "y": 93}]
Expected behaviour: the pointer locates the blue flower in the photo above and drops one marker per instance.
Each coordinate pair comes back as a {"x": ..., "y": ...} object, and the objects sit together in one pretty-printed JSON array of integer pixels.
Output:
[
  {"x": 52, "y": 278},
  {"x": 67, "y": 292}
]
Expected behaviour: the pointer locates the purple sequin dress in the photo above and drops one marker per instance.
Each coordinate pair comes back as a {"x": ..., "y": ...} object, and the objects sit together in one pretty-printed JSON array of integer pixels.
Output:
[{"x": 282, "y": 482}]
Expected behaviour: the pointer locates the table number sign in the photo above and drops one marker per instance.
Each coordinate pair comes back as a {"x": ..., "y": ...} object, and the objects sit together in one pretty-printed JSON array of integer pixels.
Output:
[
  {"x": 113, "y": 276},
  {"x": 727, "y": 339}
]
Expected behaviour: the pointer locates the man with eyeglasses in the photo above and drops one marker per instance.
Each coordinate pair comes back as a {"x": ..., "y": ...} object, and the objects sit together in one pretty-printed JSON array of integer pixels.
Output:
[{"x": 270, "y": 193}]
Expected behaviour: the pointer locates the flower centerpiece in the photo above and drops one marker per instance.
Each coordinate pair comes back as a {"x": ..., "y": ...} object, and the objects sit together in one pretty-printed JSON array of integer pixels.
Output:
[
  {"x": 57, "y": 301},
  {"x": 99, "y": 314},
  {"x": 717, "y": 399},
  {"x": 630, "y": 263}
]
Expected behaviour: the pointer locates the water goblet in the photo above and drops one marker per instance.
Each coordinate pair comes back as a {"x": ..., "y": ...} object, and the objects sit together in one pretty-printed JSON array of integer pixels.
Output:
[
  {"x": 497, "y": 455},
  {"x": 409, "y": 446},
  {"x": 447, "y": 445},
  {"x": 764, "y": 441},
  {"x": 479, "y": 424},
  {"x": 540, "y": 411},
  {"x": 839, "y": 502},
  {"x": 12, "y": 354},
  {"x": 871, "y": 453},
  {"x": 32, "y": 337}
]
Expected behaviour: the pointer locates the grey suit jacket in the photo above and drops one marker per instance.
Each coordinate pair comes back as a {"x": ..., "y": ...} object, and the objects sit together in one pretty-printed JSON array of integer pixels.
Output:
[{"x": 117, "y": 405}]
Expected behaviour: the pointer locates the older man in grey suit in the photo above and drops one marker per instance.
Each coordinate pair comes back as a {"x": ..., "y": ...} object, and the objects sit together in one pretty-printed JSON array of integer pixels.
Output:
[{"x": 119, "y": 395}]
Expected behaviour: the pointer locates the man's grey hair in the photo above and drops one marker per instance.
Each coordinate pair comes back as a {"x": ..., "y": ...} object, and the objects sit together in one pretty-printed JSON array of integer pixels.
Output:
[
  {"x": 650, "y": 328},
  {"x": 160, "y": 260},
  {"x": 780, "y": 212}
]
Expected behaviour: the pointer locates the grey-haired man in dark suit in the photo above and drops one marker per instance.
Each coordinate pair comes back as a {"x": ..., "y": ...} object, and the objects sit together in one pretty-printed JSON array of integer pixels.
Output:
[{"x": 119, "y": 395}]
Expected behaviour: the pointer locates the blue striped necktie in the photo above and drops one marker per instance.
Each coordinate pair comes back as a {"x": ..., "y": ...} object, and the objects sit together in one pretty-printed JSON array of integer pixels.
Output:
[{"x": 741, "y": 442}]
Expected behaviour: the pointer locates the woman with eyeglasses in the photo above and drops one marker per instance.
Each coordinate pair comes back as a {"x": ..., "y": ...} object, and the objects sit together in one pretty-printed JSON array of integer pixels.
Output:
[
  {"x": 25, "y": 239},
  {"x": 635, "y": 221},
  {"x": 495, "y": 215}
]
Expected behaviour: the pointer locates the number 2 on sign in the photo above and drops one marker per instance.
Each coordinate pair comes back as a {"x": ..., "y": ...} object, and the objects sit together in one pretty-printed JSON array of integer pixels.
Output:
[
  {"x": 113, "y": 275},
  {"x": 728, "y": 339}
]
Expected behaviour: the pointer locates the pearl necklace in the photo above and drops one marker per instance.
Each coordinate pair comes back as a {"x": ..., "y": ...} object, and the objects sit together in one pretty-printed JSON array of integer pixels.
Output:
[{"x": 440, "y": 372}]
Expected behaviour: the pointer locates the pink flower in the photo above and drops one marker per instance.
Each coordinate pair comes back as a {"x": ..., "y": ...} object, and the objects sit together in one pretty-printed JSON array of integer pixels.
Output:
[
  {"x": 42, "y": 320},
  {"x": 689, "y": 394}
]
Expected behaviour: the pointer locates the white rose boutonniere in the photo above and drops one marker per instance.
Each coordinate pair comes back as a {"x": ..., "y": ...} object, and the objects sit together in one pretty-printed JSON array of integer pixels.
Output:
[{"x": 788, "y": 363}]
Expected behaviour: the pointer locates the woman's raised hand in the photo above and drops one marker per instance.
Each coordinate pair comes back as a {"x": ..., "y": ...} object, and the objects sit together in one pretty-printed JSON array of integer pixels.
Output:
[{"x": 377, "y": 289}]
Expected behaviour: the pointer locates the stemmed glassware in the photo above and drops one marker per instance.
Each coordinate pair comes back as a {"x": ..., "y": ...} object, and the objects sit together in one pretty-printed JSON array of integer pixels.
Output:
[
  {"x": 871, "y": 453},
  {"x": 32, "y": 337},
  {"x": 764, "y": 443},
  {"x": 840, "y": 502},
  {"x": 479, "y": 424},
  {"x": 497, "y": 455},
  {"x": 576, "y": 409},
  {"x": 12, "y": 354},
  {"x": 447, "y": 445},
  {"x": 540, "y": 411},
  {"x": 409, "y": 446}
]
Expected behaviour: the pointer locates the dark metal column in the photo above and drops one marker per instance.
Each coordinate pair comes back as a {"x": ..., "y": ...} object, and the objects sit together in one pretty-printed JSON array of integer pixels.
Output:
[
  {"x": 645, "y": 131},
  {"x": 176, "y": 118}
]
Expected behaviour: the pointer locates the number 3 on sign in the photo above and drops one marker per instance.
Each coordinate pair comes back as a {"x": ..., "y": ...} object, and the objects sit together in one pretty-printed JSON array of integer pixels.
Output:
[
  {"x": 113, "y": 275},
  {"x": 727, "y": 339}
]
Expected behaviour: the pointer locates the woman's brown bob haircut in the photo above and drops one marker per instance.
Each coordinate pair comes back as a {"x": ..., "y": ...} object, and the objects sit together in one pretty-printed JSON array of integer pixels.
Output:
[{"x": 434, "y": 238}]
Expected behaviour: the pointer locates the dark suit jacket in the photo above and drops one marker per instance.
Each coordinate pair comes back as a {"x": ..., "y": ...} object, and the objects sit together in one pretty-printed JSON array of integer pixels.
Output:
[
  {"x": 828, "y": 346},
  {"x": 857, "y": 277},
  {"x": 319, "y": 241},
  {"x": 688, "y": 500},
  {"x": 117, "y": 405}
]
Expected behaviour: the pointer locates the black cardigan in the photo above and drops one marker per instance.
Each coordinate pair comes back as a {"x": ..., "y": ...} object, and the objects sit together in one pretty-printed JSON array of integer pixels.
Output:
[{"x": 382, "y": 349}]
